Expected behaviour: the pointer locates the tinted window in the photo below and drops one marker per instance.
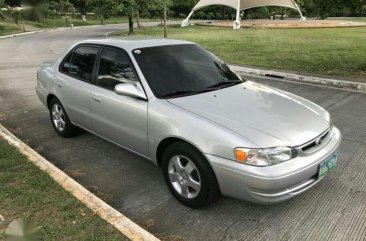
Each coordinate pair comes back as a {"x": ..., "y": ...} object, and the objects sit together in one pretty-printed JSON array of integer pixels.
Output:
[
  {"x": 114, "y": 68},
  {"x": 183, "y": 69},
  {"x": 82, "y": 62},
  {"x": 66, "y": 63}
]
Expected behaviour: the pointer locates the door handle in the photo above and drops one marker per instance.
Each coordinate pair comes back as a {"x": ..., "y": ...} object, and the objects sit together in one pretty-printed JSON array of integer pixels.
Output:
[
  {"x": 59, "y": 85},
  {"x": 96, "y": 99}
]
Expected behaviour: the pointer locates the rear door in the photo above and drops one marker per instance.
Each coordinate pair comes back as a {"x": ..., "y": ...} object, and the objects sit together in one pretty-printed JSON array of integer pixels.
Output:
[
  {"x": 74, "y": 83},
  {"x": 121, "y": 119}
]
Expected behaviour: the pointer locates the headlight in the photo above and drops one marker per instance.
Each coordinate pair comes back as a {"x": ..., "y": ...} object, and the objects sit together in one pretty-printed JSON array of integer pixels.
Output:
[{"x": 264, "y": 157}]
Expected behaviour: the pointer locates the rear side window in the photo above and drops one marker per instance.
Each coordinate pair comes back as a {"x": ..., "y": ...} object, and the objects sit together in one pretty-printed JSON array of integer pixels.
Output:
[
  {"x": 81, "y": 64},
  {"x": 66, "y": 63},
  {"x": 114, "y": 68}
]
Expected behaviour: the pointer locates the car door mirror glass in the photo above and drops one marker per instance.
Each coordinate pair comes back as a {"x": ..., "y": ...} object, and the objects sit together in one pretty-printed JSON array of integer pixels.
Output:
[{"x": 134, "y": 90}]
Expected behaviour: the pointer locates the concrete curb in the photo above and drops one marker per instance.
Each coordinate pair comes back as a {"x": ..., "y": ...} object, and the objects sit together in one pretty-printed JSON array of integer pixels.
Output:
[
  {"x": 21, "y": 34},
  {"x": 343, "y": 84},
  {"x": 106, "y": 212}
]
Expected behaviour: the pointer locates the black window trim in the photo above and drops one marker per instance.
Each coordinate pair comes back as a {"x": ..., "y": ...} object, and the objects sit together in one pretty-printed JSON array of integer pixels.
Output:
[
  {"x": 97, "y": 46},
  {"x": 97, "y": 62}
]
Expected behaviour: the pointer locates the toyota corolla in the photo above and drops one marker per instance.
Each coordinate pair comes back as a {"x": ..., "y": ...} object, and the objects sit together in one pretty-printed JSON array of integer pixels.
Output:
[{"x": 182, "y": 108}]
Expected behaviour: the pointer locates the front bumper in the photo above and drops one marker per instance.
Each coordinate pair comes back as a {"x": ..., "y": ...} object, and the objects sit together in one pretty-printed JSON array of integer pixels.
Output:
[{"x": 276, "y": 183}]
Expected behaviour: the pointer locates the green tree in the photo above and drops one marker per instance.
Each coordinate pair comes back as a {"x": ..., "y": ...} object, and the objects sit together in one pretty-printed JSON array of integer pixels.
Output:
[
  {"x": 141, "y": 5},
  {"x": 17, "y": 15},
  {"x": 322, "y": 8},
  {"x": 146, "y": 8},
  {"x": 63, "y": 7},
  {"x": 357, "y": 7},
  {"x": 13, "y": 3},
  {"x": 80, "y": 5},
  {"x": 38, "y": 9},
  {"x": 2, "y": 5},
  {"x": 104, "y": 8},
  {"x": 129, "y": 7},
  {"x": 210, "y": 15},
  {"x": 182, "y": 6}
]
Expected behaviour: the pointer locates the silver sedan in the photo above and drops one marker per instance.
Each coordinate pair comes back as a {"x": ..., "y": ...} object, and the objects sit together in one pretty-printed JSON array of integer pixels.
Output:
[{"x": 182, "y": 108}]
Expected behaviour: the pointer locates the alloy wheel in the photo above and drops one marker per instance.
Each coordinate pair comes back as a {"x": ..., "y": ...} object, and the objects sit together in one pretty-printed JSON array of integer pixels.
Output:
[
  {"x": 184, "y": 176},
  {"x": 58, "y": 117}
]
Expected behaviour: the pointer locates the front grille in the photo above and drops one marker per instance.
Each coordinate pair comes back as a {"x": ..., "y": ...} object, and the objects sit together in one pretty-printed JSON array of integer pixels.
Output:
[{"x": 315, "y": 143}]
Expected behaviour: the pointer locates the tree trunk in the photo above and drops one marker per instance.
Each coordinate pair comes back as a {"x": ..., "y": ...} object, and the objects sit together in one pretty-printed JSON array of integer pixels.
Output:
[
  {"x": 101, "y": 19},
  {"x": 165, "y": 26},
  {"x": 130, "y": 24}
]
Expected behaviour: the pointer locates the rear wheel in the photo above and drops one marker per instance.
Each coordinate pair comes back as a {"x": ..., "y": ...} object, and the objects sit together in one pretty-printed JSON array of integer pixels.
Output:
[
  {"x": 60, "y": 121},
  {"x": 189, "y": 176}
]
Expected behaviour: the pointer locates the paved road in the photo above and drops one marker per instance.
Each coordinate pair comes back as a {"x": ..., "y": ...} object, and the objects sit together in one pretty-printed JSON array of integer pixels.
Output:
[{"x": 333, "y": 210}]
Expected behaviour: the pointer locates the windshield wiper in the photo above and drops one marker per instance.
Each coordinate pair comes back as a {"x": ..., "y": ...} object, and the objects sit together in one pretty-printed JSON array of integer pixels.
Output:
[
  {"x": 221, "y": 84},
  {"x": 216, "y": 86},
  {"x": 181, "y": 93}
]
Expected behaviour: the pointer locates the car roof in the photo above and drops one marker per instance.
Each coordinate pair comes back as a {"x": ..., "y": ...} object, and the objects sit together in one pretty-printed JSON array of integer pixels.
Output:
[{"x": 132, "y": 43}]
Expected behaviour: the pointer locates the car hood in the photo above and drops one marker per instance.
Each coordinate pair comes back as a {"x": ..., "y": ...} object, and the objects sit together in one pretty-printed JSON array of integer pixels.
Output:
[{"x": 266, "y": 116}]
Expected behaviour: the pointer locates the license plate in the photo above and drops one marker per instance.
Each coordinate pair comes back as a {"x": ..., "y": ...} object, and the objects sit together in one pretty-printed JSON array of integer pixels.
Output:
[{"x": 328, "y": 165}]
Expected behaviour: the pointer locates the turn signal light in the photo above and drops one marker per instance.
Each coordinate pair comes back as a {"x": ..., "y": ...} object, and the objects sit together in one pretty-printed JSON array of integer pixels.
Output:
[{"x": 240, "y": 155}]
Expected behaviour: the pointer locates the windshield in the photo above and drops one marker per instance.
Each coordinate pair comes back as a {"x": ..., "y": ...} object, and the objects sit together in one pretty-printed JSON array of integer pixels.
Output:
[{"x": 180, "y": 70}]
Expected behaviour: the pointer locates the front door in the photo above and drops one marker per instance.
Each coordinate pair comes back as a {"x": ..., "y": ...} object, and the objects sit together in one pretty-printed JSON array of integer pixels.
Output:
[{"x": 121, "y": 119}]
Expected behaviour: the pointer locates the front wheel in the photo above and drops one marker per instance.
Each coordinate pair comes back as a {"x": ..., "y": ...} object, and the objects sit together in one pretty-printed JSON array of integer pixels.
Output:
[
  {"x": 189, "y": 176},
  {"x": 60, "y": 121}
]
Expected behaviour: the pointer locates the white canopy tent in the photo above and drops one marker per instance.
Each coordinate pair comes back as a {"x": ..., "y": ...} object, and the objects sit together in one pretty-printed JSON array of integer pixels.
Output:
[{"x": 240, "y": 5}]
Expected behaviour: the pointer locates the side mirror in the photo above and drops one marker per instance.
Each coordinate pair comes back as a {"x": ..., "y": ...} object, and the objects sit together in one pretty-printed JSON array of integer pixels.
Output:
[{"x": 132, "y": 90}]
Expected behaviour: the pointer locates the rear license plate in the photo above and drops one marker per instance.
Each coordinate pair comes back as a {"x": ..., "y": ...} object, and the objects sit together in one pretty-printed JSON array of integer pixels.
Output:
[{"x": 328, "y": 165}]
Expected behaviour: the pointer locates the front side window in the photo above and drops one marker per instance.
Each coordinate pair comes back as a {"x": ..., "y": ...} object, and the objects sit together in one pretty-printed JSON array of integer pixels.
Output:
[
  {"x": 180, "y": 70},
  {"x": 82, "y": 63},
  {"x": 114, "y": 68}
]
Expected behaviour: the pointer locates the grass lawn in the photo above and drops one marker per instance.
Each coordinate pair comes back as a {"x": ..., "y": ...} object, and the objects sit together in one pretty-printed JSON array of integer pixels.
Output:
[
  {"x": 332, "y": 51},
  {"x": 6, "y": 28},
  {"x": 356, "y": 19},
  {"x": 25, "y": 191}
]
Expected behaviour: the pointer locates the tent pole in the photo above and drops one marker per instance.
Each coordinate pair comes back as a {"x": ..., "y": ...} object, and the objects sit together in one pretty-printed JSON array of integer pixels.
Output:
[
  {"x": 298, "y": 9},
  {"x": 185, "y": 22},
  {"x": 237, "y": 20}
]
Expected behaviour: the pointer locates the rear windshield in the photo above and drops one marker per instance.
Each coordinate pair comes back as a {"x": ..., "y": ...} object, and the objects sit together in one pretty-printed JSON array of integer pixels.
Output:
[{"x": 186, "y": 68}]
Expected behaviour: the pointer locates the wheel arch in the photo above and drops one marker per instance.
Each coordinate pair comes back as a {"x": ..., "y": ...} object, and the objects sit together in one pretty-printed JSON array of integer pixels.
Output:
[
  {"x": 165, "y": 143},
  {"x": 49, "y": 98}
]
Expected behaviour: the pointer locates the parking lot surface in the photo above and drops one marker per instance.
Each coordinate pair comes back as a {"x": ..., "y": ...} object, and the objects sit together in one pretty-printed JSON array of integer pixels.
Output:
[{"x": 335, "y": 209}]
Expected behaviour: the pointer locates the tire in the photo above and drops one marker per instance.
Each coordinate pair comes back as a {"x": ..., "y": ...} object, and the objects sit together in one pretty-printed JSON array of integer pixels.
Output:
[
  {"x": 60, "y": 120},
  {"x": 184, "y": 167}
]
